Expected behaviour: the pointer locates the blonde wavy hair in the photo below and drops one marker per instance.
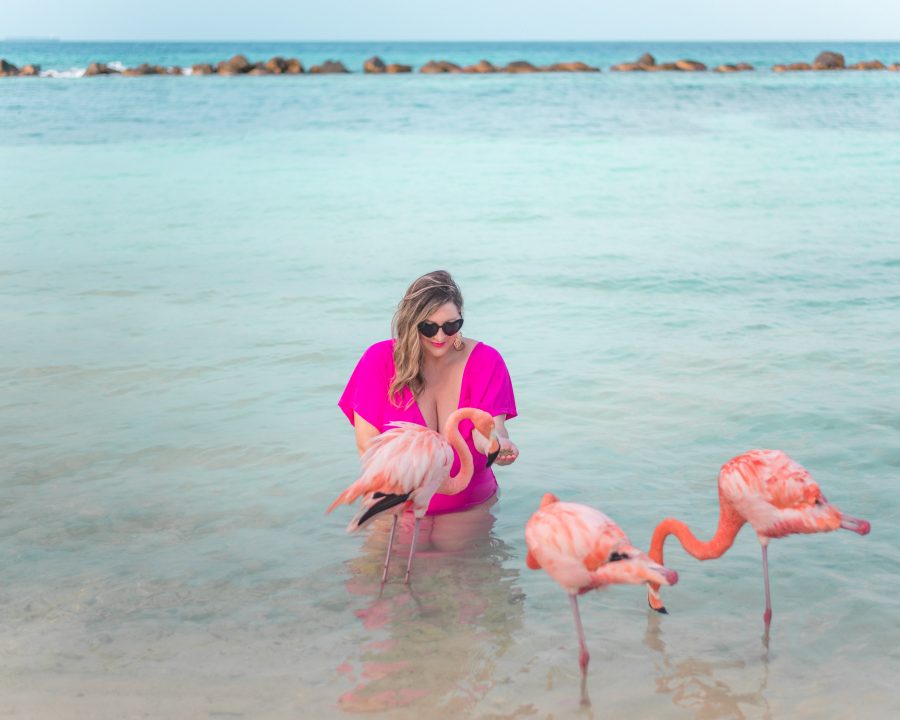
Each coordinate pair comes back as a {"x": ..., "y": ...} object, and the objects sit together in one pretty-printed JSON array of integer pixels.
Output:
[{"x": 422, "y": 298}]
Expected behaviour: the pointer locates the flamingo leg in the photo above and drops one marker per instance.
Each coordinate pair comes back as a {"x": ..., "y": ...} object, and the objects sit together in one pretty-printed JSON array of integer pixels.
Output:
[
  {"x": 767, "y": 616},
  {"x": 583, "y": 656},
  {"x": 387, "y": 557},
  {"x": 412, "y": 550}
]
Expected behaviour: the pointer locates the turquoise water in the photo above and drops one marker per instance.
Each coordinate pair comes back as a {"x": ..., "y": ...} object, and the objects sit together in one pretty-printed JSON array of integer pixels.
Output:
[{"x": 677, "y": 268}]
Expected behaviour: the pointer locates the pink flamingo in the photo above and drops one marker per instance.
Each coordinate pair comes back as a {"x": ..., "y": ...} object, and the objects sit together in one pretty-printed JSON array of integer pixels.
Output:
[
  {"x": 767, "y": 489},
  {"x": 408, "y": 463},
  {"x": 582, "y": 549}
]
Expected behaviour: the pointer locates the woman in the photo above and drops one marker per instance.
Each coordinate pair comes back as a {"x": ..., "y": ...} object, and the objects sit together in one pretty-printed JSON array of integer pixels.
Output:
[{"x": 425, "y": 373}]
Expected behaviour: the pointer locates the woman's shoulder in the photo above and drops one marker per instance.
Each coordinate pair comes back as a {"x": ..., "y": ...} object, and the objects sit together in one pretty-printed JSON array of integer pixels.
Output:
[
  {"x": 383, "y": 348},
  {"x": 484, "y": 354},
  {"x": 380, "y": 356}
]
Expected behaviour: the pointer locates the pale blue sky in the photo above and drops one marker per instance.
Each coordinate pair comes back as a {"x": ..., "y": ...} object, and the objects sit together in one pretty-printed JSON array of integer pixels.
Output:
[{"x": 452, "y": 20}]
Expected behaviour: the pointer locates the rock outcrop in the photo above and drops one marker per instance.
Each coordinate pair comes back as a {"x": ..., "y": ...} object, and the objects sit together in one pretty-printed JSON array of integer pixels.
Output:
[
  {"x": 642, "y": 64},
  {"x": 396, "y": 68},
  {"x": 293, "y": 67},
  {"x": 828, "y": 60},
  {"x": 868, "y": 65},
  {"x": 690, "y": 66},
  {"x": 571, "y": 67},
  {"x": 145, "y": 69},
  {"x": 97, "y": 68},
  {"x": 435, "y": 67},
  {"x": 481, "y": 67},
  {"x": 202, "y": 69},
  {"x": 520, "y": 66},
  {"x": 235, "y": 66},
  {"x": 7, "y": 69},
  {"x": 329, "y": 67},
  {"x": 374, "y": 66},
  {"x": 793, "y": 67}
]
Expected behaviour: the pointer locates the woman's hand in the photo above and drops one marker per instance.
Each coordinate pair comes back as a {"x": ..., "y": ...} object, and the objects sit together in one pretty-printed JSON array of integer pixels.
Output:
[{"x": 508, "y": 452}]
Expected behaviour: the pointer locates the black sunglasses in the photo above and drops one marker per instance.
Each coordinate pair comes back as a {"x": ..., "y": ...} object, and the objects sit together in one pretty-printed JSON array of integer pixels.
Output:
[{"x": 429, "y": 329}]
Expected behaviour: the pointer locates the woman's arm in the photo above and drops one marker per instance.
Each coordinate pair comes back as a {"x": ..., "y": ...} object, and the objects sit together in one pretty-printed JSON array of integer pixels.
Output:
[
  {"x": 508, "y": 450},
  {"x": 365, "y": 431}
]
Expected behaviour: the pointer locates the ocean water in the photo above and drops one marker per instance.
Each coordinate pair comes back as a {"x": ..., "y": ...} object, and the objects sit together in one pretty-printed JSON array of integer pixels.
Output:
[{"x": 677, "y": 268}]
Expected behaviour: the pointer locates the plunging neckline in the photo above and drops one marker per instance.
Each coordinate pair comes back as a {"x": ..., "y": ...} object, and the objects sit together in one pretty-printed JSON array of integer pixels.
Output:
[{"x": 462, "y": 384}]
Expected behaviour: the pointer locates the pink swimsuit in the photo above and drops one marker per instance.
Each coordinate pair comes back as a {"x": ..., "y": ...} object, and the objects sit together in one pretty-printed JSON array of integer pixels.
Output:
[{"x": 485, "y": 385}]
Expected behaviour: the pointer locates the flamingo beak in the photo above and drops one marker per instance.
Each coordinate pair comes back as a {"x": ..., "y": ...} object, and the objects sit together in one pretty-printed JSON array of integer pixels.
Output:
[
  {"x": 493, "y": 450},
  {"x": 848, "y": 522}
]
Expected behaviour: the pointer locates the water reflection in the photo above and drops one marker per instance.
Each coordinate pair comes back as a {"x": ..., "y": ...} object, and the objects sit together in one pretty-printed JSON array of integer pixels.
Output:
[
  {"x": 698, "y": 685},
  {"x": 438, "y": 640}
]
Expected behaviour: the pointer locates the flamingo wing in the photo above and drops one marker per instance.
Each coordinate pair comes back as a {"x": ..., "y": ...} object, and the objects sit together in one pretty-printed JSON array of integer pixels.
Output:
[
  {"x": 400, "y": 461},
  {"x": 776, "y": 495},
  {"x": 570, "y": 541}
]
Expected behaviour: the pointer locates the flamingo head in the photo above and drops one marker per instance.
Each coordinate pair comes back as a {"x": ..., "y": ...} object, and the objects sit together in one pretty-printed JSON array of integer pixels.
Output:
[
  {"x": 819, "y": 515},
  {"x": 484, "y": 435},
  {"x": 627, "y": 564}
]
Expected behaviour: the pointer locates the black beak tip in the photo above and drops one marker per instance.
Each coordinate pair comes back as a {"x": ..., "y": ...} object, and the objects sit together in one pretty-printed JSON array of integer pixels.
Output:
[
  {"x": 492, "y": 457},
  {"x": 661, "y": 611}
]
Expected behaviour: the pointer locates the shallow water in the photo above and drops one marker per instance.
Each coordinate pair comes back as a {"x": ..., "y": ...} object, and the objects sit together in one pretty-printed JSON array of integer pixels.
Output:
[{"x": 676, "y": 269}]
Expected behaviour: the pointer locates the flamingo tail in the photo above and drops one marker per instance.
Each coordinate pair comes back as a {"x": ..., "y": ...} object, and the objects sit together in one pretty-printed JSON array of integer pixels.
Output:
[{"x": 384, "y": 502}]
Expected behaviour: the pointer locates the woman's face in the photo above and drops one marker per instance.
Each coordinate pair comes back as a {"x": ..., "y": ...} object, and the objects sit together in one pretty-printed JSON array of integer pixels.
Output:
[{"x": 440, "y": 344}]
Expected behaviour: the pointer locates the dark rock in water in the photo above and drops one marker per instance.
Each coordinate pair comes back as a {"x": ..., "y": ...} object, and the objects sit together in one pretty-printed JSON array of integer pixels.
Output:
[
  {"x": 30, "y": 71},
  {"x": 395, "y": 68},
  {"x": 235, "y": 66},
  {"x": 643, "y": 63},
  {"x": 740, "y": 67},
  {"x": 577, "y": 66},
  {"x": 520, "y": 66},
  {"x": 828, "y": 60},
  {"x": 894, "y": 66},
  {"x": 202, "y": 69},
  {"x": 144, "y": 69},
  {"x": 329, "y": 67},
  {"x": 374, "y": 66},
  {"x": 792, "y": 67},
  {"x": 96, "y": 68},
  {"x": 7, "y": 69},
  {"x": 433, "y": 67},
  {"x": 628, "y": 67},
  {"x": 689, "y": 66},
  {"x": 865, "y": 65},
  {"x": 293, "y": 67},
  {"x": 662, "y": 67},
  {"x": 259, "y": 70},
  {"x": 175, "y": 70},
  {"x": 276, "y": 65},
  {"x": 480, "y": 68}
]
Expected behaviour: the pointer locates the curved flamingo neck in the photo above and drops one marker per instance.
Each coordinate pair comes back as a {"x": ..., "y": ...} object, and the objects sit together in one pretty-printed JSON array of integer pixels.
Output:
[
  {"x": 729, "y": 525},
  {"x": 458, "y": 482}
]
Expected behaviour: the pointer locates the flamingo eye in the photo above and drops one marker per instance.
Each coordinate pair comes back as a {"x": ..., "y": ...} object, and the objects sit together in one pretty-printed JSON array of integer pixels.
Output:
[{"x": 617, "y": 556}]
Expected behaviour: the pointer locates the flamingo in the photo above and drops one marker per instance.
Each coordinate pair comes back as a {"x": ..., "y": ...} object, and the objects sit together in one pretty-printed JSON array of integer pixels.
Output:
[
  {"x": 773, "y": 493},
  {"x": 582, "y": 549},
  {"x": 408, "y": 463}
]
